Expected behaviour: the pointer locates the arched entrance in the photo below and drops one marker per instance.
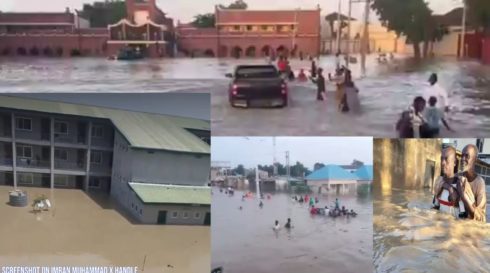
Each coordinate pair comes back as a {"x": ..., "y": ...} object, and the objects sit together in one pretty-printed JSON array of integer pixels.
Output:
[
  {"x": 250, "y": 52},
  {"x": 59, "y": 51},
  {"x": 236, "y": 52},
  {"x": 47, "y": 51},
  {"x": 209, "y": 53},
  {"x": 266, "y": 51},
  {"x": 34, "y": 51},
  {"x": 6, "y": 51},
  {"x": 21, "y": 51},
  {"x": 75, "y": 52},
  {"x": 223, "y": 51},
  {"x": 282, "y": 50}
]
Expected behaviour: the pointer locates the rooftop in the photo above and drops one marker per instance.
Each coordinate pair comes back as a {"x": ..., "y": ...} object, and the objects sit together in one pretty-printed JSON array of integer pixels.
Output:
[
  {"x": 51, "y": 18},
  {"x": 142, "y": 130},
  {"x": 365, "y": 172},
  {"x": 264, "y": 16},
  {"x": 172, "y": 194},
  {"x": 331, "y": 172}
]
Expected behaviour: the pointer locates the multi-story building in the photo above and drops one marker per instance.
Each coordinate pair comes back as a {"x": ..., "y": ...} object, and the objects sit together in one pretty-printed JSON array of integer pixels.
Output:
[
  {"x": 155, "y": 166},
  {"x": 254, "y": 33},
  {"x": 68, "y": 34}
]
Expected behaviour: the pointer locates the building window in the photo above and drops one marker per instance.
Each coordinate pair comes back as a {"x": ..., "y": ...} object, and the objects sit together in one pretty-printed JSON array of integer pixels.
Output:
[
  {"x": 96, "y": 157},
  {"x": 61, "y": 154},
  {"x": 197, "y": 215},
  {"x": 185, "y": 215},
  {"x": 97, "y": 131},
  {"x": 61, "y": 180},
  {"x": 249, "y": 28},
  {"x": 26, "y": 178},
  {"x": 141, "y": 211},
  {"x": 94, "y": 183},
  {"x": 292, "y": 27},
  {"x": 175, "y": 214},
  {"x": 264, "y": 28},
  {"x": 132, "y": 205},
  {"x": 24, "y": 124},
  {"x": 479, "y": 144},
  {"x": 24, "y": 151},
  {"x": 236, "y": 28},
  {"x": 61, "y": 127}
]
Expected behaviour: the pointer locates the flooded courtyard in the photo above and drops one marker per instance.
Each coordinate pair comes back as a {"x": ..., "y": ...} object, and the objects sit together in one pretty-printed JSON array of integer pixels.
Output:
[
  {"x": 89, "y": 230},
  {"x": 411, "y": 237},
  {"x": 385, "y": 91},
  {"x": 244, "y": 241}
]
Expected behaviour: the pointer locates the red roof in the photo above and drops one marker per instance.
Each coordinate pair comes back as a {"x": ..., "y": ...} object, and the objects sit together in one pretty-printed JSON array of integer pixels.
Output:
[{"x": 37, "y": 17}]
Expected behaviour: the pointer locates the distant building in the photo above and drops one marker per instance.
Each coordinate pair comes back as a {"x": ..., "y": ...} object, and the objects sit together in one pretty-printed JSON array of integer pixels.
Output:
[
  {"x": 331, "y": 178},
  {"x": 364, "y": 174},
  {"x": 254, "y": 33},
  {"x": 153, "y": 165}
]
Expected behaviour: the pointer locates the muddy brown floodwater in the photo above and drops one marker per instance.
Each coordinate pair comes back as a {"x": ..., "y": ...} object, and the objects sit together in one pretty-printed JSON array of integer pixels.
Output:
[
  {"x": 411, "y": 237},
  {"x": 243, "y": 241},
  {"x": 83, "y": 230}
]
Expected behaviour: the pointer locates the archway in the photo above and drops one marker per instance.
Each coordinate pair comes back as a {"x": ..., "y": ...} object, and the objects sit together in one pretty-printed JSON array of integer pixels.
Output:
[
  {"x": 223, "y": 51},
  {"x": 6, "y": 51},
  {"x": 266, "y": 51},
  {"x": 250, "y": 52},
  {"x": 282, "y": 50},
  {"x": 75, "y": 52},
  {"x": 34, "y": 51},
  {"x": 59, "y": 51},
  {"x": 47, "y": 51},
  {"x": 209, "y": 53},
  {"x": 236, "y": 52},
  {"x": 21, "y": 51}
]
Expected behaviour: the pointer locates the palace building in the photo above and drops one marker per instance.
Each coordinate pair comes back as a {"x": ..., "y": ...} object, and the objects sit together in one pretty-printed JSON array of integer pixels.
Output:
[{"x": 254, "y": 33}]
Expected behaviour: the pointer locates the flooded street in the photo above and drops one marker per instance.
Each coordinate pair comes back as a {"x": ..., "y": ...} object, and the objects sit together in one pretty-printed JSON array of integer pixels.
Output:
[
  {"x": 83, "y": 230},
  {"x": 411, "y": 237},
  {"x": 244, "y": 241},
  {"x": 385, "y": 92}
]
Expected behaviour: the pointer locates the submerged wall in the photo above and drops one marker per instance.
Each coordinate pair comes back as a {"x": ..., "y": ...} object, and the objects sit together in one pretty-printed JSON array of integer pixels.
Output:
[{"x": 406, "y": 163}]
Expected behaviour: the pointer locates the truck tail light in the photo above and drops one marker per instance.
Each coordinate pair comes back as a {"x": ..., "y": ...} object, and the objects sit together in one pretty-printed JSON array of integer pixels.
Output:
[
  {"x": 234, "y": 90},
  {"x": 284, "y": 89}
]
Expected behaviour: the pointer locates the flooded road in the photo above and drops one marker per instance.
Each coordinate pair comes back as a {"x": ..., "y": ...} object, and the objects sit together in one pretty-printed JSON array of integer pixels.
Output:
[
  {"x": 243, "y": 240},
  {"x": 385, "y": 91},
  {"x": 83, "y": 230},
  {"x": 411, "y": 237}
]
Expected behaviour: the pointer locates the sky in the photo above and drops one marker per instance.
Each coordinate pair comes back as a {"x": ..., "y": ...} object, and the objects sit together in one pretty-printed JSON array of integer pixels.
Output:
[
  {"x": 181, "y": 104},
  {"x": 251, "y": 151},
  {"x": 185, "y": 10}
]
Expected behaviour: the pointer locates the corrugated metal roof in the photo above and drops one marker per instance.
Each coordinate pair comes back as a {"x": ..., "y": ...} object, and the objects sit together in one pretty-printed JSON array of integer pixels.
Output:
[
  {"x": 331, "y": 172},
  {"x": 172, "y": 194},
  {"x": 142, "y": 130},
  {"x": 365, "y": 172}
]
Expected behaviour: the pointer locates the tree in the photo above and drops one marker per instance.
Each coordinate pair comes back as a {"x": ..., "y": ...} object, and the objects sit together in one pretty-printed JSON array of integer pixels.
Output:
[
  {"x": 408, "y": 18},
  {"x": 238, "y": 4},
  {"x": 479, "y": 14},
  {"x": 239, "y": 170},
  {"x": 318, "y": 166},
  {"x": 204, "y": 20},
  {"x": 101, "y": 14}
]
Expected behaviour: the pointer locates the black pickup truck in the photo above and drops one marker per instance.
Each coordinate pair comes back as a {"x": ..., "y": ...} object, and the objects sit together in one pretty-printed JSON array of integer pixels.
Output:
[{"x": 259, "y": 85}]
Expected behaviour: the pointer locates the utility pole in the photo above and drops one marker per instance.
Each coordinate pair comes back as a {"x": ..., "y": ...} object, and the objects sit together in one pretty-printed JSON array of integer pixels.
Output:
[
  {"x": 462, "y": 51},
  {"x": 274, "y": 157},
  {"x": 348, "y": 35},
  {"x": 365, "y": 38},
  {"x": 288, "y": 170},
  {"x": 339, "y": 22}
]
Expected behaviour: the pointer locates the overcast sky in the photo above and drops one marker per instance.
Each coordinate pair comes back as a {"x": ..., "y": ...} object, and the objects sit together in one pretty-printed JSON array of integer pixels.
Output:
[
  {"x": 176, "y": 104},
  {"x": 307, "y": 150},
  {"x": 185, "y": 10}
]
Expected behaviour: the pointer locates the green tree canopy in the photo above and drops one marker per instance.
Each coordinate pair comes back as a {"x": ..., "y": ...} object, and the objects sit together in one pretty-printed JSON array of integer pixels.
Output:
[
  {"x": 208, "y": 20},
  {"x": 101, "y": 14},
  {"x": 239, "y": 170},
  {"x": 238, "y": 4},
  {"x": 479, "y": 14},
  {"x": 318, "y": 166}
]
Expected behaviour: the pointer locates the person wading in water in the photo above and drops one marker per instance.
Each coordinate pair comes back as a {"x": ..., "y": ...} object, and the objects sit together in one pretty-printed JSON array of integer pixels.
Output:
[{"x": 320, "y": 85}]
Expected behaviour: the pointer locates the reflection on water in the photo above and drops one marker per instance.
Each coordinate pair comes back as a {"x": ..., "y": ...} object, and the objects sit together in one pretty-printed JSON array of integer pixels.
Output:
[
  {"x": 84, "y": 230},
  {"x": 243, "y": 240},
  {"x": 411, "y": 237}
]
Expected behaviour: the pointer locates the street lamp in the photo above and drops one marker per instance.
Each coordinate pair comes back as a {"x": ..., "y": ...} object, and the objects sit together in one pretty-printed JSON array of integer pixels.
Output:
[{"x": 463, "y": 32}]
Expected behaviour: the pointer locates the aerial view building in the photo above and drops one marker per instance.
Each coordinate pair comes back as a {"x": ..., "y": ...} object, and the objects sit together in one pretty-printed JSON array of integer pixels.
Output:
[{"x": 155, "y": 166}]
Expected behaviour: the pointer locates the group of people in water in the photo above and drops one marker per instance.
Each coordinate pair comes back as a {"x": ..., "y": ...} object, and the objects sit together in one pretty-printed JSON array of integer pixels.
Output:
[
  {"x": 427, "y": 112},
  {"x": 335, "y": 212},
  {"x": 463, "y": 194},
  {"x": 346, "y": 92},
  {"x": 288, "y": 225}
]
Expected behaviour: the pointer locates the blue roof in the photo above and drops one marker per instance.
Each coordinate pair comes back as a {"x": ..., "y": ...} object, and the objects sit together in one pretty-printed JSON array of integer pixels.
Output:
[
  {"x": 331, "y": 172},
  {"x": 365, "y": 172}
]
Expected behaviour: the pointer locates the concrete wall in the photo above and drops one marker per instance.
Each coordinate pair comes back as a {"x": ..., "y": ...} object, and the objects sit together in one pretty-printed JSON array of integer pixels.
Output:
[
  {"x": 405, "y": 164},
  {"x": 121, "y": 171},
  {"x": 163, "y": 167},
  {"x": 148, "y": 213},
  {"x": 107, "y": 139},
  {"x": 486, "y": 50},
  {"x": 106, "y": 164}
]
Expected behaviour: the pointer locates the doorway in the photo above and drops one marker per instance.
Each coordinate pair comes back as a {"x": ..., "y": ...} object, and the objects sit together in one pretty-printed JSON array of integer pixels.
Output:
[
  {"x": 162, "y": 217},
  {"x": 430, "y": 168},
  {"x": 207, "y": 220}
]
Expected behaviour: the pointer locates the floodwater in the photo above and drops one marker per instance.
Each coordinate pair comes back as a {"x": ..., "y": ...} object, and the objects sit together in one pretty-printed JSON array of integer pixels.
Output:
[
  {"x": 385, "y": 91},
  {"x": 411, "y": 237},
  {"x": 82, "y": 230},
  {"x": 243, "y": 240}
]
